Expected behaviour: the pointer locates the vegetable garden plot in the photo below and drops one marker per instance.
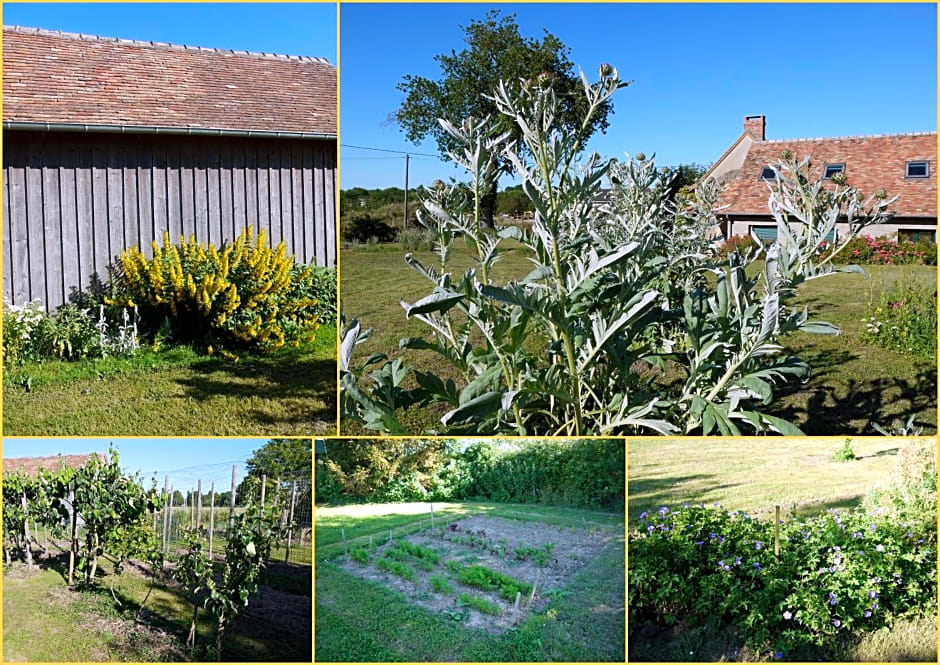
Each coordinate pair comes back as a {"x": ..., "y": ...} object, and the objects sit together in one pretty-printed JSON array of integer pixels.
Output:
[{"x": 476, "y": 568}]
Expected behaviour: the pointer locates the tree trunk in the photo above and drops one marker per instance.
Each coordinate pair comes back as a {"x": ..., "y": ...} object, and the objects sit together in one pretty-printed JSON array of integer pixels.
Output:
[
  {"x": 92, "y": 560},
  {"x": 218, "y": 638},
  {"x": 73, "y": 543},
  {"x": 191, "y": 640},
  {"x": 488, "y": 208}
]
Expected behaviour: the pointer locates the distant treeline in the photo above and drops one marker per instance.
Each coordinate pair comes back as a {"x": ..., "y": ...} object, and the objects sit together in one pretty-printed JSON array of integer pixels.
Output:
[{"x": 581, "y": 473}]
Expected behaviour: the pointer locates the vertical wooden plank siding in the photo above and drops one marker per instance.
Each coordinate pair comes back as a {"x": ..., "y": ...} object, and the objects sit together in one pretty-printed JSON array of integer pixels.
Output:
[{"x": 73, "y": 201}]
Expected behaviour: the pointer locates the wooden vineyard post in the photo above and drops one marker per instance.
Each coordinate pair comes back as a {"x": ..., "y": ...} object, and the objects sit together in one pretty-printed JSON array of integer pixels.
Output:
[
  {"x": 199, "y": 505},
  {"x": 515, "y": 607},
  {"x": 231, "y": 504},
  {"x": 211, "y": 516},
  {"x": 290, "y": 519},
  {"x": 192, "y": 510},
  {"x": 167, "y": 515},
  {"x": 73, "y": 542},
  {"x": 538, "y": 575},
  {"x": 777, "y": 532},
  {"x": 345, "y": 546},
  {"x": 264, "y": 482},
  {"x": 29, "y": 548},
  {"x": 432, "y": 516}
]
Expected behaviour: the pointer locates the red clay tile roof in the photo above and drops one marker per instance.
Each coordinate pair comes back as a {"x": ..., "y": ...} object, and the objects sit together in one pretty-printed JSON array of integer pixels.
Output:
[
  {"x": 31, "y": 465},
  {"x": 79, "y": 79},
  {"x": 871, "y": 163}
]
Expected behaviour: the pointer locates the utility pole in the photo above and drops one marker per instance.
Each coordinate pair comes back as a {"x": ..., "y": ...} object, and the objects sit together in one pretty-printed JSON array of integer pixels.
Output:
[{"x": 404, "y": 221}]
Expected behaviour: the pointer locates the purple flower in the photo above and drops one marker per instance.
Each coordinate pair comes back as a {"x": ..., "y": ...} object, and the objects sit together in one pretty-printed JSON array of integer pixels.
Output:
[
  {"x": 778, "y": 655},
  {"x": 880, "y": 548},
  {"x": 837, "y": 548},
  {"x": 872, "y": 594},
  {"x": 643, "y": 515},
  {"x": 787, "y": 615},
  {"x": 831, "y": 569},
  {"x": 871, "y": 526},
  {"x": 758, "y": 545},
  {"x": 711, "y": 536},
  {"x": 874, "y": 607},
  {"x": 737, "y": 561},
  {"x": 836, "y": 623},
  {"x": 727, "y": 567},
  {"x": 698, "y": 542},
  {"x": 685, "y": 505},
  {"x": 757, "y": 565},
  {"x": 832, "y": 598},
  {"x": 867, "y": 614}
]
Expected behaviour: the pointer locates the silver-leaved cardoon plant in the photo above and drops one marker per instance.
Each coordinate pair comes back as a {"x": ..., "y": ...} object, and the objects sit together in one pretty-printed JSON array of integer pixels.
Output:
[{"x": 629, "y": 321}]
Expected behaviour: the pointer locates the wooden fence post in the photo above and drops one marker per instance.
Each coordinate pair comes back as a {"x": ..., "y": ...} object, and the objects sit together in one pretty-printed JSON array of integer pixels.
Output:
[
  {"x": 290, "y": 519},
  {"x": 167, "y": 514},
  {"x": 211, "y": 516},
  {"x": 432, "y": 515},
  {"x": 199, "y": 504},
  {"x": 29, "y": 548},
  {"x": 192, "y": 509},
  {"x": 231, "y": 504},
  {"x": 264, "y": 482},
  {"x": 73, "y": 541}
]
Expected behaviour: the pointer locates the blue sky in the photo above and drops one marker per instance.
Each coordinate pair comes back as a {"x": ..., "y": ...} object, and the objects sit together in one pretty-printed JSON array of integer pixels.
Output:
[
  {"x": 834, "y": 70},
  {"x": 184, "y": 460},
  {"x": 286, "y": 28}
]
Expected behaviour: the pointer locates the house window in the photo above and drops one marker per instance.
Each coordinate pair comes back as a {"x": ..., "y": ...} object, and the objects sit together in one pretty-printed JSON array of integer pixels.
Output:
[
  {"x": 766, "y": 234},
  {"x": 916, "y": 235},
  {"x": 768, "y": 173},
  {"x": 917, "y": 169},
  {"x": 832, "y": 169}
]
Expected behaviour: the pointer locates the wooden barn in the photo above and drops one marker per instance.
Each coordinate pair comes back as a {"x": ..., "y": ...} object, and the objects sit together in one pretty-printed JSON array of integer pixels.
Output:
[{"x": 109, "y": 142}]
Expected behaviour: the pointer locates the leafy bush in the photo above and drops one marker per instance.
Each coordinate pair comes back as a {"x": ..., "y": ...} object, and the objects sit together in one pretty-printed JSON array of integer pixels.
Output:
[
  {"x": 911, "y": 492},
  {"x": 244, "y": 295},
  {"x": 480, "y": 603},
  {"x": 403, "y": 570},
  {"x": 416, "y": 240},
  {"x": 739, "y": 244},
  {"x": 366, "y": 225},
  {"x": 70, "y": 333},
  {"x": 587, "y": 473},
  {"x": 321, "y": 287},
  {"x": 484, "y": 578},
  {"x": 845, "y": 453},
  {"x": 440, "y": 584},
  {"x": 574, "y": 348},
  {"x": 904, "y": 319},
  {"x": 20, "y": 323},
  {"x": 419, "y": 552},
  {"x": 359, "y": 554},
  {"x": 887, "y": 251},
  {"x": 840, "y": 572}
]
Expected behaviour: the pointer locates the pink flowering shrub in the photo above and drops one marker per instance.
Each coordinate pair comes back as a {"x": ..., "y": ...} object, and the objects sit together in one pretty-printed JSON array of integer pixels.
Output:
[
  {"x": 885, "y": 251},
  {"x": 738, "y": 244}
]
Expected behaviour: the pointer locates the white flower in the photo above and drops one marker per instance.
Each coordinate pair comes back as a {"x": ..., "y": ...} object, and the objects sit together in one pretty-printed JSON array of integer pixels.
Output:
[{"x": 250, "y": 548}]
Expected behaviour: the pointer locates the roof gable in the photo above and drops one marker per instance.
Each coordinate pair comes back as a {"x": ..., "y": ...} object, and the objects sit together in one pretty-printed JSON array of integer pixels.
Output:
[
  {"x": 55, "y": 77},
  {"x": 871, "y": 163},
  {"x": 31, "y": 465}
]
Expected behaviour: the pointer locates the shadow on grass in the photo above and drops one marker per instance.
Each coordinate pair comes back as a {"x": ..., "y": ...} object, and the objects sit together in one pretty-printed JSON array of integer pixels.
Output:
[
  {"x": 652, "y": 493},
  {"x": 305, "y": 387},
  {"x": 852, "y": 406}
]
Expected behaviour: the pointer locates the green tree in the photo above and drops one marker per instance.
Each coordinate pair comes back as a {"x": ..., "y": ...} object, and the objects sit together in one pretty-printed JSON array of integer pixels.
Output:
[
  {"x": 280, "y": 460},
  {"x": 495, "y": 51}
]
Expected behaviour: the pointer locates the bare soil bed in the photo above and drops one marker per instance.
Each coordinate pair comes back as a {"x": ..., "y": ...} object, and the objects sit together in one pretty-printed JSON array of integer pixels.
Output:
[{"x": 535, "y": 553}]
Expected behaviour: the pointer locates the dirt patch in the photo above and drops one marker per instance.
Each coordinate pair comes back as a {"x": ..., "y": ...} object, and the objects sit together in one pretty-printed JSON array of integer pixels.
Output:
[
  {"x": 532, "y": 552},
  {"x": 125, "y": 636}
]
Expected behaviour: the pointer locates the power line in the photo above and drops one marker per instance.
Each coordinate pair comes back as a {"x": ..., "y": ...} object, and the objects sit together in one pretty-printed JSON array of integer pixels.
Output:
[{"x": 401, "y": 152}]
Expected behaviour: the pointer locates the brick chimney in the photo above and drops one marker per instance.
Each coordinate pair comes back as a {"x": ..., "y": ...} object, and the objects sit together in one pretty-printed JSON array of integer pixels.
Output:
[{"x": 755, "y": 125}]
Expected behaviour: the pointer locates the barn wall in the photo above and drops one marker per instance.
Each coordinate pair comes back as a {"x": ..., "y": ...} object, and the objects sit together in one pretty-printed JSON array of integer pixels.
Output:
[{"x": 72, "y": 202}]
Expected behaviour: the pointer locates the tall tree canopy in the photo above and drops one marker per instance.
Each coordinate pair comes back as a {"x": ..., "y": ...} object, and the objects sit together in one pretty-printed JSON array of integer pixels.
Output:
[
  {"x": 495, "y": 50},
  {"x": 278, "y": 459}
]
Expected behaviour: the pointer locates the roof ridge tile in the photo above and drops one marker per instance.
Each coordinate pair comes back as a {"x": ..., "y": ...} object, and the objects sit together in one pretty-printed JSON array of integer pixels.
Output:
[{"x": 162, "y": 45}]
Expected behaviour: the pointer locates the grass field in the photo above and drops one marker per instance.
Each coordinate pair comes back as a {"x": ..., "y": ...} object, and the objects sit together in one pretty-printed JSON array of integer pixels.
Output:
[
  {"x": 177, "y": 391},
  {"x": 361, "y": 620},
  {"x": 45, "y": 621},
  {"x": 852, "y": 383},
  {"x": 755, "y": 475}
]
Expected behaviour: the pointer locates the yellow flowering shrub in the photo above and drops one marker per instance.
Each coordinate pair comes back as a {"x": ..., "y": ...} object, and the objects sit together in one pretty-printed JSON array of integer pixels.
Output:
[{"x": 245, "y": 294}]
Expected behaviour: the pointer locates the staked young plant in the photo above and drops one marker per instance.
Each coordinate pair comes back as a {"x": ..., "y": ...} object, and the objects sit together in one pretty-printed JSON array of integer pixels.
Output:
[
  {"x": 194, "y": 572},
  {"x": 630, "y": 321}
]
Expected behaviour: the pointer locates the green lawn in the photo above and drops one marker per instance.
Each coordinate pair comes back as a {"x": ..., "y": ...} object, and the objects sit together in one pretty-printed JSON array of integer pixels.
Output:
[
  {"x": 754, "y": 475},
  {"x": 177, "y": 391},
  {"x": 357, "y": 620},
  {"x": 45, "y": 621},
  {"x": 852, "y": 383}
]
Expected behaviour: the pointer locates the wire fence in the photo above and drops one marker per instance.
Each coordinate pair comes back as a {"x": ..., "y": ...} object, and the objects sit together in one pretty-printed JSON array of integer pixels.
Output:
[{"x": 194, "y": 504}]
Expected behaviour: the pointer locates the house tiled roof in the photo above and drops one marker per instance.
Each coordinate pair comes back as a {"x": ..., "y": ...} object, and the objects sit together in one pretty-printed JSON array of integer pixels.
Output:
[
  {"x": 31, "y": 465},
  {"x": 55, "y": 77},
  {"x": 871, "y": 163}
]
